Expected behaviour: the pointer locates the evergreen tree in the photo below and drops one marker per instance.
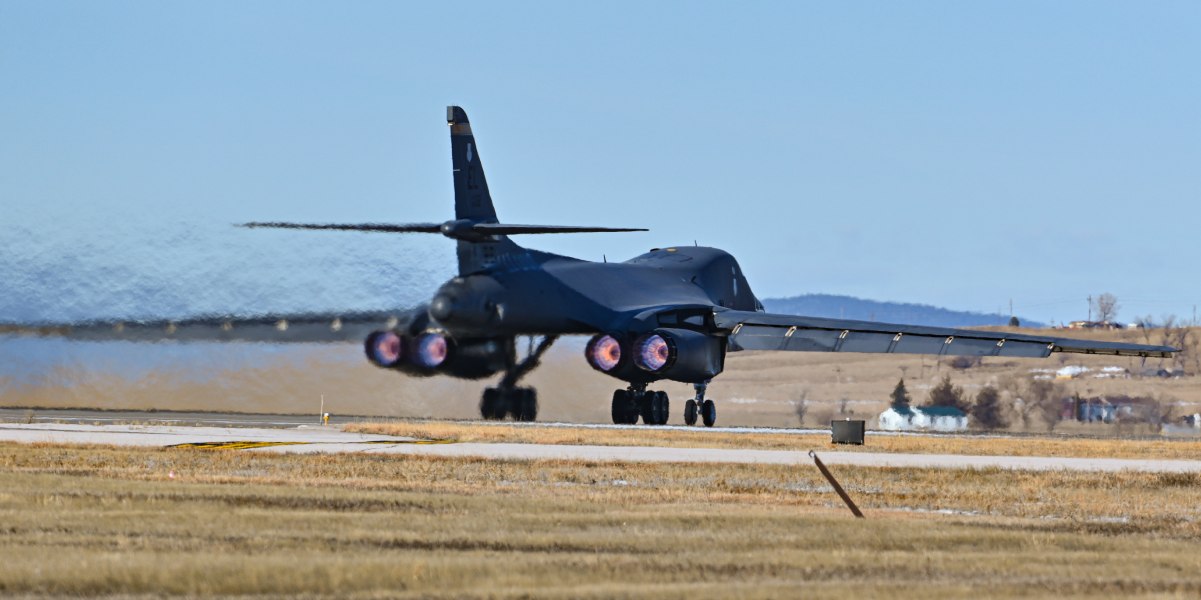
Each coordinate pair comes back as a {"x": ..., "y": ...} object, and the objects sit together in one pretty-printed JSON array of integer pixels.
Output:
[
  {"x": 900, "y": 396},
  {"x": 987, "y": 410},
  {"x": 945, "y": 394}
]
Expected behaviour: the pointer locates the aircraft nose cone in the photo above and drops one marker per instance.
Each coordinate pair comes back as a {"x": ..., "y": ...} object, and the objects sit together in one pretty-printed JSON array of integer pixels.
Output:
[{"x": 442, "y": 307}]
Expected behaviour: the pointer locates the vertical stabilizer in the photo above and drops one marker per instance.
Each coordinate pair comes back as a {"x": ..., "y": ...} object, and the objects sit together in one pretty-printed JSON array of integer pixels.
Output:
[{"x": 472, "y": 201}]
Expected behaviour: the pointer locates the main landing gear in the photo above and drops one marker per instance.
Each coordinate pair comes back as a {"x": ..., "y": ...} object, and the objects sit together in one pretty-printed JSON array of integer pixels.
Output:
[
  {"x": 654, "y": 407},
  {"x": 506, "y": 399}
]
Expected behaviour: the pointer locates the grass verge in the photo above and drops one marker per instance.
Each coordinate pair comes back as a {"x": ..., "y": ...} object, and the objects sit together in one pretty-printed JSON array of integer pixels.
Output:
[
  {"x": 128, "y": 521},
  {"x": 714, "y": 438}
]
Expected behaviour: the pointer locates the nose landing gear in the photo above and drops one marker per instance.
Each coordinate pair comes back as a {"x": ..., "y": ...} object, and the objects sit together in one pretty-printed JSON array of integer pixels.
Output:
[{"x": 699, "y": 405}]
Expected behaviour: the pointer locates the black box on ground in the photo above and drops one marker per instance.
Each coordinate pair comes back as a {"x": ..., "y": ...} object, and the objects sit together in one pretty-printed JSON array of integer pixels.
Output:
[{"x": 847, "y": 431}]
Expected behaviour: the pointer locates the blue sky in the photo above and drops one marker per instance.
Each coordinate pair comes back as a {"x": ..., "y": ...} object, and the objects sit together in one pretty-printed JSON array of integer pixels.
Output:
[{"x": 952, "y": 153}]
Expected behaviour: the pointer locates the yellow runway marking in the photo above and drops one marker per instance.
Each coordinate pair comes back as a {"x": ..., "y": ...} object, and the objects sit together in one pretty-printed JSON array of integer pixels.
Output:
[{"x": 247, "y": 445}]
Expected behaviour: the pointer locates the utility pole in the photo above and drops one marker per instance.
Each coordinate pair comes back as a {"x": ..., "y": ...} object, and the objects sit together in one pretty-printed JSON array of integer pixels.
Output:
[
  {"x": 1090, "y": 307},
  {"x": 1011, "y": 308}
]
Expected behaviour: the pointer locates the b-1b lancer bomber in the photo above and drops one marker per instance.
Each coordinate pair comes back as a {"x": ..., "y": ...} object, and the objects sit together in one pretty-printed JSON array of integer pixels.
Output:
[{"x": 670, "y": 314}]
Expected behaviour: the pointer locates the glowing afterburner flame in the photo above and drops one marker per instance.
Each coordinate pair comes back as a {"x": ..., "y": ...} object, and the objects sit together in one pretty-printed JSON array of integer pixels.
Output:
[
  {"x": 604, "y": 353},
  {"x": 385, "y": 348},
  {"x": 653, "y": 352},
  {"x": 432, "y": 350}
]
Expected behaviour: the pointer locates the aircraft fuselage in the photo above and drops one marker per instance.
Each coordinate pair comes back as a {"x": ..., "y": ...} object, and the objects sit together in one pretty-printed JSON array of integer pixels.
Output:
[{"x": 552, "y": 294}]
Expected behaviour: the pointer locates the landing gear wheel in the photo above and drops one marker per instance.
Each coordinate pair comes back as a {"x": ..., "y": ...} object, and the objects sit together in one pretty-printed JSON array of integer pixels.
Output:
[
  {"x": 664, "y": 408},
  {"x": 654, "y": 408},
  {"x": 690, "y": 412},
  {"x": 646, "y": 408},
  {"x": 621, "y": 405},
  {"x": 625, "y": 409},
  {"x": 493, "y": 405},
  {"x": 524, "y": 404},
  {"x": 709, "y": 413}
]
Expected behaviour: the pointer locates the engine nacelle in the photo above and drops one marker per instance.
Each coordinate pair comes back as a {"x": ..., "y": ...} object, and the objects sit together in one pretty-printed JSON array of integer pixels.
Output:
[
  {"x": 679, "y": 355},
  {"x": 676, "y": 354},
  {"x": 434, "y": 352},
  {"x": 479, "y": 358},
  {"x": 605, "y": 353}
]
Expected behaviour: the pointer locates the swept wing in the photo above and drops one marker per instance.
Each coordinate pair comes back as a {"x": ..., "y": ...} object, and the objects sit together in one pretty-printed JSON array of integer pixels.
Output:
[
  {"x": 764, "y": 331},
  {"x": 305, "y": 328}
]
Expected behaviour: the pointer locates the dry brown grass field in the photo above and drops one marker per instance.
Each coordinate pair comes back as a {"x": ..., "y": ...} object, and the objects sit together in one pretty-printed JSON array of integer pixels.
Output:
[
  {"x": 91, "y": 521},
  {"x": 757, "y": 388},
  {"x": 1185, "y": 449}
]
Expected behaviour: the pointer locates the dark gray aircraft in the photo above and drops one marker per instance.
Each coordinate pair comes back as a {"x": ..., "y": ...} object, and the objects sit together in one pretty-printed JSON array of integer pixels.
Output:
[{"x": 670, "y": 314}]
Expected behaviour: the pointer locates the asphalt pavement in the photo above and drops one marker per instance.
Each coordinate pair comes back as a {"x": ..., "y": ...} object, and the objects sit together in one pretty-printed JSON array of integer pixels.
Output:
[{"x": 310, "y": 438}]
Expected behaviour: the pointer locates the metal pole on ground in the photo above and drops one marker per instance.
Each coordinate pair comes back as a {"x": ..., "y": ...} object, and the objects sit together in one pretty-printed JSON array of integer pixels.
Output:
[{"x": 834, "y": 482}]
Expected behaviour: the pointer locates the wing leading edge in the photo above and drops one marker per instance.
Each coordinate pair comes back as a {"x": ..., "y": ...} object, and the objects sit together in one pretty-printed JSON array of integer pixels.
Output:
[{"x": 763, "y": 331}]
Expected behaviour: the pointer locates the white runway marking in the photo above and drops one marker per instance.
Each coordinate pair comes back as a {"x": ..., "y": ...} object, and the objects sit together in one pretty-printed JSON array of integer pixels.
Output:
[{"x": 327, "y": 439}]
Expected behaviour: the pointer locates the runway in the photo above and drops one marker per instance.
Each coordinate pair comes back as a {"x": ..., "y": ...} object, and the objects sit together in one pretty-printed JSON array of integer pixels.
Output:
[
  {"x": 163, "y": 417},
  {"x": 316, "y": 438}
]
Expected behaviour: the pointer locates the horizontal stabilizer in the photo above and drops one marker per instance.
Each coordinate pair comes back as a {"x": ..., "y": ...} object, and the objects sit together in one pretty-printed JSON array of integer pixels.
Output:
[
  {"x": 380, "y": 227},
  {"x": 504, "y": 229},
  {"x": 462, "y": 229}
]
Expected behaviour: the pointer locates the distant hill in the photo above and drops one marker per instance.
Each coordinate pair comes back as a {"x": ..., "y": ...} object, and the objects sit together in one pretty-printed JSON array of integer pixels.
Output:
[{"x": 849, "y": 307}]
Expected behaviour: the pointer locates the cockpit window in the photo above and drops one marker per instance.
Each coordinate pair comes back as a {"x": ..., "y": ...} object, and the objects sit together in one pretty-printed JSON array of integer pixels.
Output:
[{"x": 659, "y": 255}]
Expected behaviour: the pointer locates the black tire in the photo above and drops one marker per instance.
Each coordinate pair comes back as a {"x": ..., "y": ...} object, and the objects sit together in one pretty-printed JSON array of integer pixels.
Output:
[
  {"x": 690, "y": 412},
  {"x": 525, "y": 407},
  {"x": 646, "y": 408},
  {"x": 488, "y": 403},
  {"x": 709, "y": 413},
  {"x": 621, "y": 407},
  {"x": 664, "y": 408},
  {"x": 513, "y": 403},
  {"x": 632, "y": 410},
  {"x": 503, "y": 404}
]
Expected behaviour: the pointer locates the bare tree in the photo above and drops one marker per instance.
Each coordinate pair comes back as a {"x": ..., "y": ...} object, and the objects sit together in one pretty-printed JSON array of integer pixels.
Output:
[
  {"x": 1043, "y": 398},
  {"x": 1178, "y": 335},
  {"x": 1145, "y": 324},
  {"x": 802, "y": 405},
  {"x": 1162, "y": 411},
  {"x": 1105, "y": 307},
  {"x": 987, "y": 409},
  {"x": 1011, "y": 388}
]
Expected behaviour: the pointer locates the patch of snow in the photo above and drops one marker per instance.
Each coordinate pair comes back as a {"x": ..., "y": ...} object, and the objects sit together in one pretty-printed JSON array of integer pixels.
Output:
[{"x": 1072, "y": 371}]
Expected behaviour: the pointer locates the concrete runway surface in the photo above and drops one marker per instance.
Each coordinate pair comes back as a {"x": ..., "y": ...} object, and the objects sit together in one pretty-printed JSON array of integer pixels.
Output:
[{"x": 316, "y": 438}]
